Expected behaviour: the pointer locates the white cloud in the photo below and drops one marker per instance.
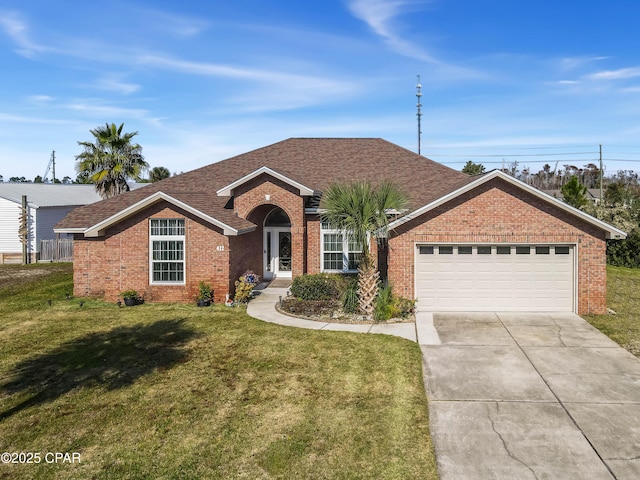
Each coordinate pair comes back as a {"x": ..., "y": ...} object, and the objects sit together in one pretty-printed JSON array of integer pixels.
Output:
[
  {"x": 40, "y": 99},
  {"x": 631, "y": 90},
  {"x": 115, "y": 84},
  {"x": 622, "y": 73},
  {"x": 16, "y": 29},
  {"x": 108, "y": 111},
  {"x": 11, "y": 119},
  {"x": 379, "y": 15},
  {"x": 173, "y": 23},
  {"x": 280, "y": 90},
  {"x": 572, "y": 63}
]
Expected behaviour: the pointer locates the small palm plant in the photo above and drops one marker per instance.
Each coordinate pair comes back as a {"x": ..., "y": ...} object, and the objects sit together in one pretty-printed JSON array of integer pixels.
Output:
[{"x": 362, "y": 210}]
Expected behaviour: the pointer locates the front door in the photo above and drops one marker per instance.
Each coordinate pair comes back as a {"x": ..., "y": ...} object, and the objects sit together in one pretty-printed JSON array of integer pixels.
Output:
[{"x": 277, "y": 252}]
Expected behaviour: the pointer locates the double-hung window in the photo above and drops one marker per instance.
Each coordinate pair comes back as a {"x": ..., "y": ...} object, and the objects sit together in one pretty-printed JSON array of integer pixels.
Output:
[
  {"x": 339, "y": 252},
  {"x": 166, "y": 238}
]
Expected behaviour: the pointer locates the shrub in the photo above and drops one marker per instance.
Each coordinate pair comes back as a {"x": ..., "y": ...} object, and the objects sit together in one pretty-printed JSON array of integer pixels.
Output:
[
  {"x": 390, "y": 306},
  {"x": 321, "y": 286},
  {"x": 205, "y": 292},
  {"x": 382, "y": 310},
  {"x": 350, "y": 297},
  {"x": 402, "y": 307},
  {"x": 625, "y": 253},
  {"x": 130, "y": 294},
  {"x": 244, "y": 286}
]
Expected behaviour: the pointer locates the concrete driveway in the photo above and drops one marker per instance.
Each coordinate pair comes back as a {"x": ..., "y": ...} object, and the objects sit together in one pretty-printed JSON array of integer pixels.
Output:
[{"x": 529, "y": 396}]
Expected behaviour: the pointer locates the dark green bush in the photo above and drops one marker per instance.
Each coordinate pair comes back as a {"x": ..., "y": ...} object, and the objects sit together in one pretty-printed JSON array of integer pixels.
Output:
[
  {"x": 384, "y": 300},
  {"x": 350, "y": 297},
  {"x": 321, "y": 286},
  {"x": 625, "y": 253}
]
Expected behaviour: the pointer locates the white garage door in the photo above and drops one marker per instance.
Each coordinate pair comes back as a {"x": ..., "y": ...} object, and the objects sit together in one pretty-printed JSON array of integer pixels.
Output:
[{"x": 495, "y": 277}]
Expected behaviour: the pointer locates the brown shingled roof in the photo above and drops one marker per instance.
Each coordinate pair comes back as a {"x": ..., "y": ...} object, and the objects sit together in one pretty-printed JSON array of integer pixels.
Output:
[{"x": 313, "y": 162}]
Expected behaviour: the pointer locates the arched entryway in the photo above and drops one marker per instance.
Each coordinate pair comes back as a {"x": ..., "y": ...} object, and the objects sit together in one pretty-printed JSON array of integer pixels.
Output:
[{"x": 277, "y": 245}]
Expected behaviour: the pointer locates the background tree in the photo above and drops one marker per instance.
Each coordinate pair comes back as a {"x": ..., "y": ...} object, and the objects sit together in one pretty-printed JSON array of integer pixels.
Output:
[
  {"x": 473, "y": 168},
  {"x": 111, "y": 160},
  {"x": 158, "y": 173},
  {"x": 574, "y": 193},
  {"x": 83, "y": 178},
  {"x": 362, "y": 211}
]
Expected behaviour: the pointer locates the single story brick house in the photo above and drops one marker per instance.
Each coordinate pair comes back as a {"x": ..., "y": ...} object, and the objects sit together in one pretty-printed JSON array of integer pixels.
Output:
[{"x": 485, "y": 242}]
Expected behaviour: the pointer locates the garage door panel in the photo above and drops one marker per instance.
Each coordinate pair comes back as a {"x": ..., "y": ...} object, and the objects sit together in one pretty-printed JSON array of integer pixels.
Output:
[{"x": 509, "y": 282}]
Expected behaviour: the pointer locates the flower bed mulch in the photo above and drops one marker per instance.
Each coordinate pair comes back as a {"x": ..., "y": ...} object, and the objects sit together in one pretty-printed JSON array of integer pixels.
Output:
[{"x": 327, "y": 311}]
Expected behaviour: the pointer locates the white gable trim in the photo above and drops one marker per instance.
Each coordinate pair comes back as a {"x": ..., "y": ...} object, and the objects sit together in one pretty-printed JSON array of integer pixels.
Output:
[
  {"x": 98, "y": 229},
  {"x": 611, "y": 231},
  {"x": 226, "y": 191}
]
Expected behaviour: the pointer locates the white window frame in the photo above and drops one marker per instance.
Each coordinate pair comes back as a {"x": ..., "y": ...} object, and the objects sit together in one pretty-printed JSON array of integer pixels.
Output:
[
  {"x": 167, "y": 238},
  {"x": 345, "y": 250}
]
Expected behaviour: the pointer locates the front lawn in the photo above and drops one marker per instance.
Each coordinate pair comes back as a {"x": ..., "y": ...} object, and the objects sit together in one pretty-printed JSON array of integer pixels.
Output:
[
  {"x": 175, "y": 391},
  {"x": 623, "y": 296}
]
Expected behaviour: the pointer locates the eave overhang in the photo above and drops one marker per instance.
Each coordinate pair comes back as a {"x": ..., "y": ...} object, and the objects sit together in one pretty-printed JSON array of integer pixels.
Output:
[{"x": 99, "y": 228}]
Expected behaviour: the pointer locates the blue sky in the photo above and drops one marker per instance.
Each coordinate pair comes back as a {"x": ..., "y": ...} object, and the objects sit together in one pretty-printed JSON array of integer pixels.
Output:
[{"x": 201, "y": 81}]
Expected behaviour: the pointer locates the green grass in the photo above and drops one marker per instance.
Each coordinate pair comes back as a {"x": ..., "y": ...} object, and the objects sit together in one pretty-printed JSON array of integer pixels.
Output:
[
  {"x": 623, "y": 296},
  {"x": 175, "y": 391}
]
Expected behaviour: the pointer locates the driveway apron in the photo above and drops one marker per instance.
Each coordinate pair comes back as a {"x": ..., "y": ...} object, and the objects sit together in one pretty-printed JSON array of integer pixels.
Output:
[{"x": 529, "y": 396}]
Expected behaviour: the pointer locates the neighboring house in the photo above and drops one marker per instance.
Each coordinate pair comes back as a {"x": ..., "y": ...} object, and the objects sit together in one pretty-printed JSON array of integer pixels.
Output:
[
  {"x": 484, "y": 242},
  {"x": 47, "y": 205},
  {"x": 592, "y": 195}
]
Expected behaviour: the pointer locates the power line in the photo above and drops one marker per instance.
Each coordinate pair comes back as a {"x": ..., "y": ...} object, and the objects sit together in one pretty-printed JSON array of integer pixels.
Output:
[
  {"x": 512, "y": 147},
  {"x": 512, "y": 154}
]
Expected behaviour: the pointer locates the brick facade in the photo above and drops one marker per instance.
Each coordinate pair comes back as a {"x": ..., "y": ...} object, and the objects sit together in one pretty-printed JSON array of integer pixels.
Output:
[
  {"x": 105, "y": 266},
  {"x": 266, "y": 190},
  {"x": 498, "y": 212},
  {"x": 495, "y": 212}
]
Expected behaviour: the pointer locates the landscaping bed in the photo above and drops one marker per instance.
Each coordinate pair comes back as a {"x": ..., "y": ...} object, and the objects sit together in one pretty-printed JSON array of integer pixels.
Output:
[
  {"x": 328, "y": 311},
  {"x": 334, "y": 298}
]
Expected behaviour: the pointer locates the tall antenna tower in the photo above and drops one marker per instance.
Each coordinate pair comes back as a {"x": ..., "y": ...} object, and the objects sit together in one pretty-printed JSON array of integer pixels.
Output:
[{"x": 419, "y": 114}]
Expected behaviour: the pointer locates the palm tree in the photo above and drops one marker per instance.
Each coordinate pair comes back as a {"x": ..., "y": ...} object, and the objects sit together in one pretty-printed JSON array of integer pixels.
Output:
[
  {"x": 362, "y": 210},
  {"x": 111, "y": 160},
  {"x": 158, "y": 173}
]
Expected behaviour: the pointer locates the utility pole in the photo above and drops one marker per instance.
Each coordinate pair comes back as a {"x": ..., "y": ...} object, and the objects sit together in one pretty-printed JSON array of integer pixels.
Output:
[
  {"x": 419, "y": 114},
  {"x": 601, "y": 196},
  {"x": 23, "y": 229}
]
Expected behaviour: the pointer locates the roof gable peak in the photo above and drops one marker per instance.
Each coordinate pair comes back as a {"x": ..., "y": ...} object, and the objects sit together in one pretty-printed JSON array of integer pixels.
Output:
[{"x": 227, "y": 189}]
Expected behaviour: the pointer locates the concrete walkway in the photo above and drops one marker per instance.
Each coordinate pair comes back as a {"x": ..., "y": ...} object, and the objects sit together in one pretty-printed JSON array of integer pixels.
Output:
[
  {"x": 263, "y": 307},
  {"x": 530, "y": 396}
]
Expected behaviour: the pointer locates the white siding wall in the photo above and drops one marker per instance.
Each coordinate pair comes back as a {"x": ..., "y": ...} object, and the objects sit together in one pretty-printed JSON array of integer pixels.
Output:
[
  {"x": 9, "y": 224},
  {"x": 9, "y": 220}
]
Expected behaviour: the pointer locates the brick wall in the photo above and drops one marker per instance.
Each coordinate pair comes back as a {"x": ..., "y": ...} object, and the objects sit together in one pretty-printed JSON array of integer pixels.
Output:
[
  {"x": 119, "y": 261},
  {"x": 265, "y": 190},
  {"x": 313, "y": 244},
  {"x": 498, "y": 212}
]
